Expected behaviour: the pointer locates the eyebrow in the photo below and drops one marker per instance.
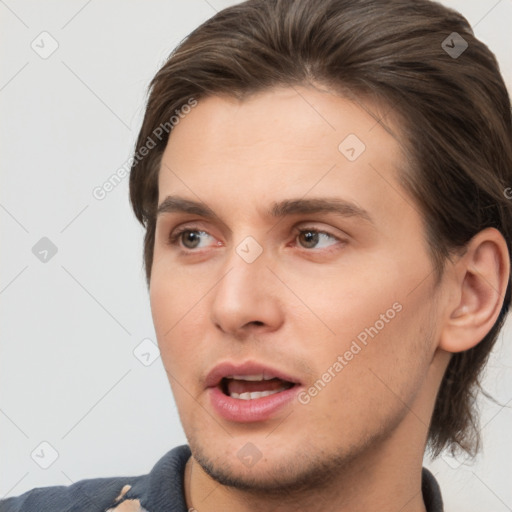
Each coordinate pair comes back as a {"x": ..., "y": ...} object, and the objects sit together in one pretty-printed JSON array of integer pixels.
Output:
[{"x": 287, "y": 207}]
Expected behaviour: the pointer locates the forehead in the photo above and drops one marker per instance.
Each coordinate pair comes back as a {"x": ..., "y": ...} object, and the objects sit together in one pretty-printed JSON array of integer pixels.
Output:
[
  {"x": 298, "y": 116},
  {"x": 291, "y": 141}
]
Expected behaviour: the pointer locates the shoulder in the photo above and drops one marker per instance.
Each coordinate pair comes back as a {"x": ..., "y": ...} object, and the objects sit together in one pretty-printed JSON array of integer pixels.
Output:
[
  {"x": 112, "y": 494},
  {"x": 431, "y": 492},
  {"x": 95, "y": 494}
]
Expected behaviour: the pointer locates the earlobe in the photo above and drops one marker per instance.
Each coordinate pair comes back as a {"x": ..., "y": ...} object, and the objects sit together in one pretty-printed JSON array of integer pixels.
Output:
[{"x": 481, "y": 278}]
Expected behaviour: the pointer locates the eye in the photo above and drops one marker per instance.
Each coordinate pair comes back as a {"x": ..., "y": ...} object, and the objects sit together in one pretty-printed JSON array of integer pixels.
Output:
[
  {"x": 311, "y": 237},
  {"x": 190, "y": 237}
]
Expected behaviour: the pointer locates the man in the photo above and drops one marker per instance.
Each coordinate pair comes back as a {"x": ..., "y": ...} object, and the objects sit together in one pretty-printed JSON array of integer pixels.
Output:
[{"x": 327, "y": 251}]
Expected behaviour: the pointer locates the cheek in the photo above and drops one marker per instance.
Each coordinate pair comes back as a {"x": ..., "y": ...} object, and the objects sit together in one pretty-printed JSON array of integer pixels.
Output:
[
  {"x": 380, "y": 335},
  {"x": 377, "y": 384},
  {"x": 169, "y": 311},
  {"x": 392, "y": 359},
  {"x": 175, "y": 344},
  {"x": 180, "y": 317},
  {"x": 175, "y": 293},
  {"x": 161, "y": 299}
]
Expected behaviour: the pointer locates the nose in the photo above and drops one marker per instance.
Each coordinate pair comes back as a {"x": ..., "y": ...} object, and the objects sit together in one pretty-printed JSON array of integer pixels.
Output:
[{"x": 246, "y": 299}]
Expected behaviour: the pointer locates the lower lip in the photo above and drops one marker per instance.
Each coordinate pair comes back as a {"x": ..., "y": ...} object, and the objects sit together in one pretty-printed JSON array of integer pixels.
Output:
[{"x": 244, "y": 411}]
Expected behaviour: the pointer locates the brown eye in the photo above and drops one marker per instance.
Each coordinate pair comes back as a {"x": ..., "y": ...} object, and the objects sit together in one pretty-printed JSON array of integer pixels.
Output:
[
  {"x": 310, "y": 238},
  {"x": 188, "y": 238}
]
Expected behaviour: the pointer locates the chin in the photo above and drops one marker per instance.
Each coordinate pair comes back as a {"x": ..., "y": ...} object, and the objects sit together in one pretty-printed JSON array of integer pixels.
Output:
[{"x": 297, "y": 469}]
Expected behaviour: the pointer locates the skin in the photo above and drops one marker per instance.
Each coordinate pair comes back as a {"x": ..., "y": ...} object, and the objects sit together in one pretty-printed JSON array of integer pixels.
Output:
[{"x": 359, "y": 443}]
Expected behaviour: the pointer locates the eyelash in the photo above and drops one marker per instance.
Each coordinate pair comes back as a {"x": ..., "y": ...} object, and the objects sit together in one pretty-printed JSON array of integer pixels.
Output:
[{"x": 174, "y": 238}]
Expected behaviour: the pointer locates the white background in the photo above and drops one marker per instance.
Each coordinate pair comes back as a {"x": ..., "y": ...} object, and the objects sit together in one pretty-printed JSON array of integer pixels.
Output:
[{"x": 68, "y": 375}]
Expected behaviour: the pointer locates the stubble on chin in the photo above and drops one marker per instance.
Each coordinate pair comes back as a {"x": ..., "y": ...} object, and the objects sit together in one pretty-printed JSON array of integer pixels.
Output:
[{"x": 300, "y": 473}]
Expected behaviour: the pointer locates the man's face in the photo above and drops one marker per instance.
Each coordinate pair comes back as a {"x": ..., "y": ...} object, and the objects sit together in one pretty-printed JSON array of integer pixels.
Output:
[{"x": 344, "y": 309}]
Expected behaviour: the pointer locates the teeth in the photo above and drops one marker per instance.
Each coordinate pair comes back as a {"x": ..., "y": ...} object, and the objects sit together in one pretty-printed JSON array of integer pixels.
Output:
[
  {"x": 255, "y": 394},
  {"x": 259, "y": 376}
]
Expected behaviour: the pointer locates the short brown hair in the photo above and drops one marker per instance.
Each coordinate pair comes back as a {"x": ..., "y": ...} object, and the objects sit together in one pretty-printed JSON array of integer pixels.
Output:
[{"x": 454, "y": 113}]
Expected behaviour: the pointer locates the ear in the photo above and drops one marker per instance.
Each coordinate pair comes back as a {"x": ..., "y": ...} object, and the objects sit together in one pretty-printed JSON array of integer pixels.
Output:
[{"x": 477, "y": 291}]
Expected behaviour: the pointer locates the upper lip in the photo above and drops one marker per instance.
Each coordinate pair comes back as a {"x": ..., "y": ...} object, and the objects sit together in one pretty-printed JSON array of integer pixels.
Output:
[{"x": 228, "y": 368}]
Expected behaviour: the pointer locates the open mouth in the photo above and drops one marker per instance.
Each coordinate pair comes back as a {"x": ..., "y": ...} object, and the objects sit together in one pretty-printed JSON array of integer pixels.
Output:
[
  {"x": 250, "y": 392},
  {"x": 252, "y": 387}
]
